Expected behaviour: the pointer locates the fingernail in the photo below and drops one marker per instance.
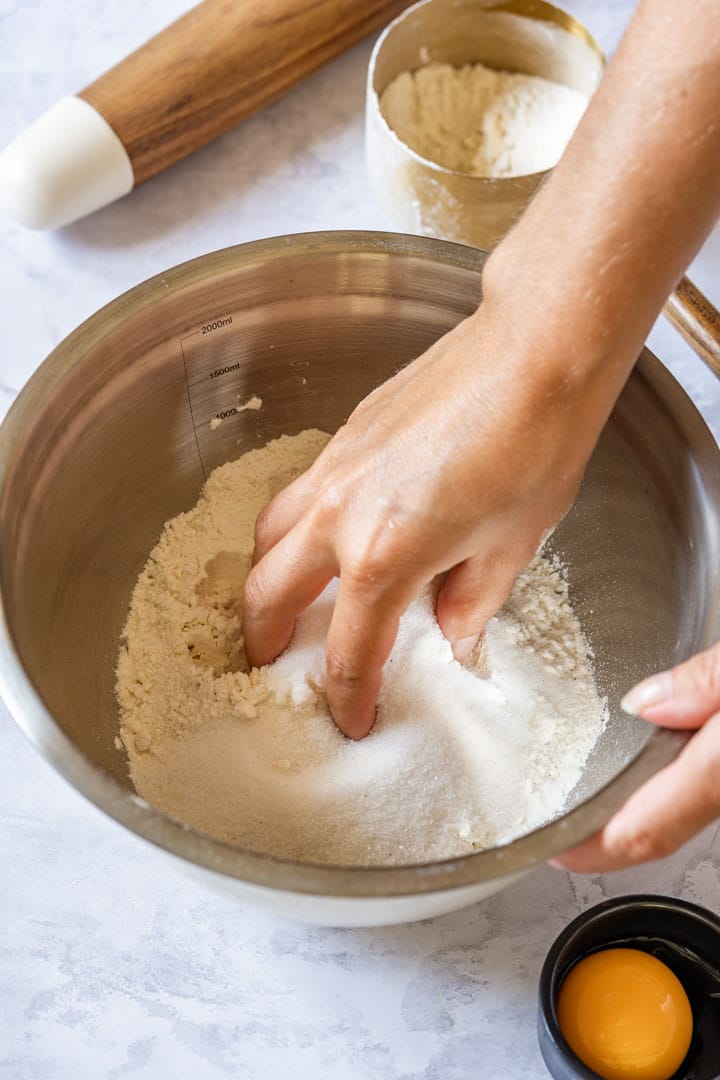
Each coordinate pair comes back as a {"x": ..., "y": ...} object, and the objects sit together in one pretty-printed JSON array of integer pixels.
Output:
[
  {"x": 464, "y": 646},
  {"x": 650, "y": 692}
]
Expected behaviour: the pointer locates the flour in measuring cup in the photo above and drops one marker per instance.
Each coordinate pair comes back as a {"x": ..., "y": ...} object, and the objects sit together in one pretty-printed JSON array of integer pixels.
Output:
[{"x": 482, "y": 122}]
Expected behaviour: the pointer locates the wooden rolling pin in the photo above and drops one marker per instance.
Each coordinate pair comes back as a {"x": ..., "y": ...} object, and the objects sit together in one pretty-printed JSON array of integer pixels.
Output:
[
  {"x": 692, "y": 314},
  {"x": 215, "y": 66}
]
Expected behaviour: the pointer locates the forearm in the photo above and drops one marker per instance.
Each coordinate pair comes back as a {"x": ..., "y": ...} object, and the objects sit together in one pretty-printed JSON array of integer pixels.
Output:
[{"x": 581, "y": 278}]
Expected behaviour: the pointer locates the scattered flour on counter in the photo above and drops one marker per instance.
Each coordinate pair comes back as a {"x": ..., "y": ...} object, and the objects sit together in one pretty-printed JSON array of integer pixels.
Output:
[
  {"x": 482, "y": 122},
  {"x": 456, "y": 762}
]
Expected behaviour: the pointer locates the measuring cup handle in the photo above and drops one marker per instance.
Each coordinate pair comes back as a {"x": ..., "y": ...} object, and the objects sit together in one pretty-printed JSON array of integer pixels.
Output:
[{"x": 693, "y": 316}]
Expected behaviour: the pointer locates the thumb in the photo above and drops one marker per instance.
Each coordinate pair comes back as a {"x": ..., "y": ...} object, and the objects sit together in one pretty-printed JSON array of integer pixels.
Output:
[
  {"x": 470, "y": 595},
  {"x": 674, "y": 805},
  {"x": 684, "y": 697}
]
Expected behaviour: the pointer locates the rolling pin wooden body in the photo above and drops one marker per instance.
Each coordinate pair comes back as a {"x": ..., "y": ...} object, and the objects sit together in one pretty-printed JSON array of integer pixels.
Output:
[
  {"x": 210, "y": 69},
  {"x": 693, "y": 316}
]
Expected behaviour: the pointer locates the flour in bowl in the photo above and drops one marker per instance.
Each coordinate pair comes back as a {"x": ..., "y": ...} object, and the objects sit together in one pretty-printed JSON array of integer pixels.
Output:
[{"x": 456, "y": 761}]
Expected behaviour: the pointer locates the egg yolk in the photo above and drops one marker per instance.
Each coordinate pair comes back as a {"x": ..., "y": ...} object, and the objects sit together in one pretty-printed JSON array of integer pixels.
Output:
[{"x": 625, "y": 1015}]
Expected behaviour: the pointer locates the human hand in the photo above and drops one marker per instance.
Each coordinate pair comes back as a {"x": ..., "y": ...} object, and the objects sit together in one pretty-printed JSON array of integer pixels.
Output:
[
  {"x": 682, "y": 798},
  {"x": 466, "y": 459},
  {"x": 462, "y": 462}
]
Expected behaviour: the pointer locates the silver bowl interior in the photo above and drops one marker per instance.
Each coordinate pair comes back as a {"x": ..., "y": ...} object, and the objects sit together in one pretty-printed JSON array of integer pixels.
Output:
[{"x": 112, "y": 436}]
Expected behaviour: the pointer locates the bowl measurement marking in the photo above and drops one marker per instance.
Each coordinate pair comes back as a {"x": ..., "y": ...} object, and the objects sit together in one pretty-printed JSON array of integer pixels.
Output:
[
  {"x": 224, "y": 370},
  {"x": 213, "y": 356},
  {"x": 209, "y": 327}
]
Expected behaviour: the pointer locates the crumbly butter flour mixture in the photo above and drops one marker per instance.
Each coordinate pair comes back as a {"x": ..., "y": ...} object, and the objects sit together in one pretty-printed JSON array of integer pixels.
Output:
[
  {"x": 482, "y": 122},
  {"x": 455, "y": 762}
]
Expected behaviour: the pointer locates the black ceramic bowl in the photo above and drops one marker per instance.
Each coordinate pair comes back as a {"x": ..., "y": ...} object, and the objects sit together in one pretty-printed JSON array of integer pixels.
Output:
[{"x": 684, "y": 936}]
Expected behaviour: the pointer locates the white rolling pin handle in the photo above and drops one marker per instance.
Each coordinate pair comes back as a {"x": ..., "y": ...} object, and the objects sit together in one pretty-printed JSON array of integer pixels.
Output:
[{"x": 68, "y": 163}]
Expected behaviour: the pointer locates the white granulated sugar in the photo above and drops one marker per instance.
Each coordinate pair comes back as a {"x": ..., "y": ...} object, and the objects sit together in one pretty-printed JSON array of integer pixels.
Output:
[
  {"x": 482, "y": 122},
  {"x": 456, "y": 762}
]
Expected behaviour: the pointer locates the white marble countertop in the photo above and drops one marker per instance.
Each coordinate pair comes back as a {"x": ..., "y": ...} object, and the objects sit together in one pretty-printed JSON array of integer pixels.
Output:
[{"x": 111, "y": 964}]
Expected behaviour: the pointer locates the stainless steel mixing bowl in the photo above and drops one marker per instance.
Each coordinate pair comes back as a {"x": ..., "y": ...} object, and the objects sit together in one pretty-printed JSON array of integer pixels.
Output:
[{"x": 113, "y": 435}]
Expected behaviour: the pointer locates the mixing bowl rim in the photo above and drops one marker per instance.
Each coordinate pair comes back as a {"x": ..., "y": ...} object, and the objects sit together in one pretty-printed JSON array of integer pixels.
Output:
[{"x": 121, "y": 803}]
